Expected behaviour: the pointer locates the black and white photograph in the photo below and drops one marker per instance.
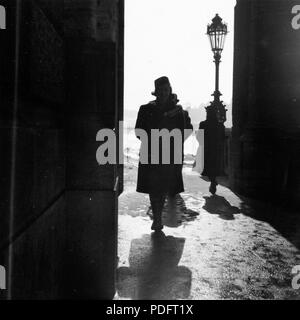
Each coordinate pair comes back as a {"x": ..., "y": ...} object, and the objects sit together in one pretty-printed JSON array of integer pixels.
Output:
[{"x": 149, "y": 151}]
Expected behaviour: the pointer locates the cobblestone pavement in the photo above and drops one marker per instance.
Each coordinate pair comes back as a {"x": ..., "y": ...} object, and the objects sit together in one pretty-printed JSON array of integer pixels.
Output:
[{"x": 213, "y": 247}]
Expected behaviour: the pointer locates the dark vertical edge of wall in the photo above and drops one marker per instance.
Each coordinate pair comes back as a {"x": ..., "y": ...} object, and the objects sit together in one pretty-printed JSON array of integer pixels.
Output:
[{"x": 120, "y": 116}]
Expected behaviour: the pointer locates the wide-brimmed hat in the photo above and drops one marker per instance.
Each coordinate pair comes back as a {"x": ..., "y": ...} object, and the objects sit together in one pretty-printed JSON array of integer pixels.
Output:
[{"x": 159, "y": 82}]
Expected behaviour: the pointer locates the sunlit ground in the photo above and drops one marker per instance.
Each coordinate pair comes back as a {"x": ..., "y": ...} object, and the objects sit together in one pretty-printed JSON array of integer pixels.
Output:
[{"x": 221, "y": 247}]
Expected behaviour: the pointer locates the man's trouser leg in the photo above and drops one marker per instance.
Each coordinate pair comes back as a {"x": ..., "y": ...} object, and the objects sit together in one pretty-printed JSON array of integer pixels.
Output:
[
  {"x": 213, "y": 184},
  {"x": 172, "y": 205},
  {"x": 157, "y": 204}
]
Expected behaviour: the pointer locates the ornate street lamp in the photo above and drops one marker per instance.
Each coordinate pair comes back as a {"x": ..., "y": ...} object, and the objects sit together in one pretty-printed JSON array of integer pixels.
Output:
[
  {"x": 214, "y": 129},
  {"x": 217, "y": 32}
]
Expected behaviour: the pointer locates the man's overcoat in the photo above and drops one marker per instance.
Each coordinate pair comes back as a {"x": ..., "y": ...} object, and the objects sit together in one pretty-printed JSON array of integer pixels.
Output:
[{"x": 161, "y": 178}]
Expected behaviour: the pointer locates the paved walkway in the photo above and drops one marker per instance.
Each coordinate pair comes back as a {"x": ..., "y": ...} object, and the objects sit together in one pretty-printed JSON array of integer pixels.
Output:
[{"x": 214, "y": 247}]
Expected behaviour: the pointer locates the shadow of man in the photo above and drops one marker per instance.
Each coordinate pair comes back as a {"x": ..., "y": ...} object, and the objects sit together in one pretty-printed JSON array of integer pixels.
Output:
[
  {"x": 175, "y": 212},
  {"x": 219, "y": 205},
  {"x": 154, "y": 272}
]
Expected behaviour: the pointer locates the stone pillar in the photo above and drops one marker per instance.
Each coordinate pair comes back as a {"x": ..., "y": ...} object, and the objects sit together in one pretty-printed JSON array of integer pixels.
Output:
[
  {"x": 265, "y": 96},
  {"x": 61, "y": 79},
  {"x": 32, "y": 164},
  {"x": 92, "y": 44}
]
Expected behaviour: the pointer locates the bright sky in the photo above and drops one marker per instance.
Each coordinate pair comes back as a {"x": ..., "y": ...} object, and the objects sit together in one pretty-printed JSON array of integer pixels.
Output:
[{"x": 168, "y": 37}]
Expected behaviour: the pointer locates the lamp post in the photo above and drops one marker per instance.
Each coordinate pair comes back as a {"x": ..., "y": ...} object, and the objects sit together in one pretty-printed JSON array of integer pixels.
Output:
[
  {"x": 214, "y": 129},
  {"x": 217, "y": 32}
]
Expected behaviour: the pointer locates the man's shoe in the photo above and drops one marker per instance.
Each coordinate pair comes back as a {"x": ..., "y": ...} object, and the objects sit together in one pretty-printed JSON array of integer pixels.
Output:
[{"x": 213, "y": 188}]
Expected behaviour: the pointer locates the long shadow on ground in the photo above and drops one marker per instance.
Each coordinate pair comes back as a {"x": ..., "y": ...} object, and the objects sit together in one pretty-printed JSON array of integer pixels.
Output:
[
  {"x": 219, "y": 205},
  {"x": 154, "y": 272}
]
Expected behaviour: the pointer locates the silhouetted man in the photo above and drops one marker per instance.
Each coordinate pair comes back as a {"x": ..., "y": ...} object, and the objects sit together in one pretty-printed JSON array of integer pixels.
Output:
[
  {"x": 161, "y": 180},
  {"x": 214, "y": 137}
]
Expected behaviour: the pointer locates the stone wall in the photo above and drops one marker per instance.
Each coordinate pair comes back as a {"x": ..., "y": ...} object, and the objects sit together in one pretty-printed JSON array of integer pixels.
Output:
[
  {"x": 266, "y": 95},
  {"x": 58, "y": 207}
]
